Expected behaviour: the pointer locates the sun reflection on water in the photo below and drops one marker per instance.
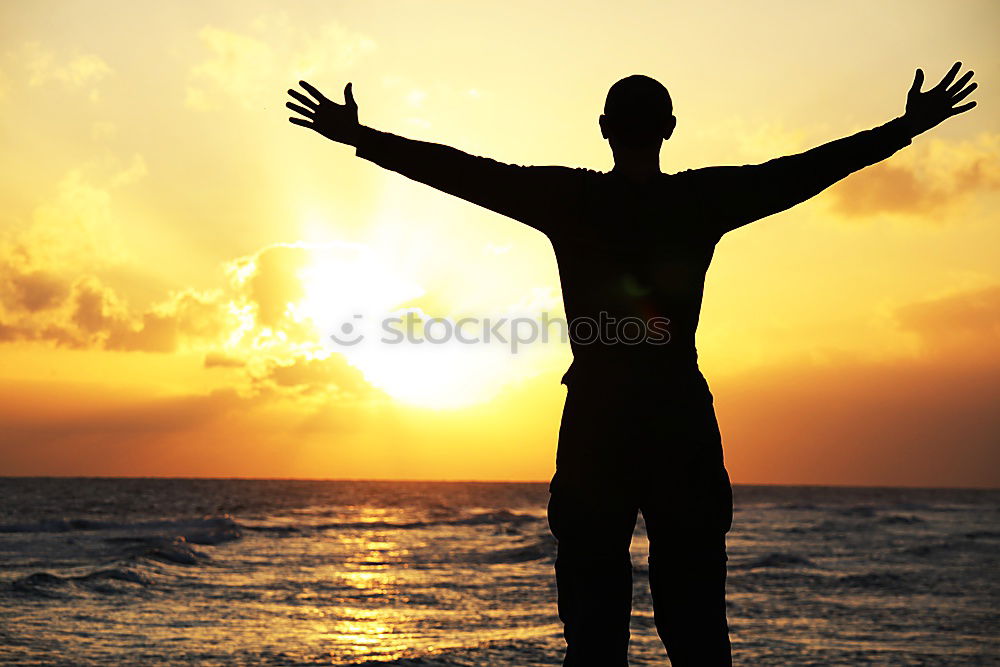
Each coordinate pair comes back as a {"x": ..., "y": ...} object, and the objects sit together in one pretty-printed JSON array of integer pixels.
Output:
[{"x": 365, "y": 631}]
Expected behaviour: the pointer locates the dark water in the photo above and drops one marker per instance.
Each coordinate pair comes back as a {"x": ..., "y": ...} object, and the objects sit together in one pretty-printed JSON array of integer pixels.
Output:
[{"x": 210, "y": 572}]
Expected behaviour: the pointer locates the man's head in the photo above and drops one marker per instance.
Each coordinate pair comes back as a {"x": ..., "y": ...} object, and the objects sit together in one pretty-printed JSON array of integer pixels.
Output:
[{"x": 638, "y": 113}]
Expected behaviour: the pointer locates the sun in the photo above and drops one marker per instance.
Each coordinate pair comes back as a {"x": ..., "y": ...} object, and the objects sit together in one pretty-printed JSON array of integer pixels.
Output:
[{"x": 358, "y": 299}]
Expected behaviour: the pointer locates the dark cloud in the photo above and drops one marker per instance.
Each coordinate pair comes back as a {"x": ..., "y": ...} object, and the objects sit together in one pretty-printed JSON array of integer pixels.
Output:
[
  {"x": 306, "y": 375},
  {"x": 221, "y": 360},
  {"x": 94, "y": 307},
  {"x": 186, "y": 316},
  {"x": 154, "y": 333},
  {"x": 15, "y": 331},
  {"x": 33, "y": 290},
  {"x": 11, "y": 332}
]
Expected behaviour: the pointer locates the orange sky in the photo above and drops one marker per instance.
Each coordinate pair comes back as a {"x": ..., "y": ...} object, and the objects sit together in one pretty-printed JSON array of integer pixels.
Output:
[{"x": 172, "y": 250}]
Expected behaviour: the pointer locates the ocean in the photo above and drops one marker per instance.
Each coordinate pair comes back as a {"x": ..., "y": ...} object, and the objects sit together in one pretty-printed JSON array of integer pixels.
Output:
[{"x": 278, "y": 572}]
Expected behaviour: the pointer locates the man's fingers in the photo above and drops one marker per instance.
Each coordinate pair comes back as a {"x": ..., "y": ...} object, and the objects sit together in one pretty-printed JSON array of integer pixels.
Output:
[
  {"x": 300, "y": 121},
  {"x": 308, "y": 113},
  {"x": 960, "y": 83},
  {"x": 965, "y": 107},
  {"x": 918, "y": 81},
  {"x": 302, "y": 98},
  {"x": 965, "y": 93},
  {"x": 949, "y": 77},
  {"x": 349, "y": 97},
  {"x": 312, "y": 91}
]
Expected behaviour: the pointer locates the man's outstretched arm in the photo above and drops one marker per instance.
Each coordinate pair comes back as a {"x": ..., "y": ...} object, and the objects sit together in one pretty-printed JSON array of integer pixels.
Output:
[
  {"x": 536, "y": 196},
  {"x": 734, "y": 196}
]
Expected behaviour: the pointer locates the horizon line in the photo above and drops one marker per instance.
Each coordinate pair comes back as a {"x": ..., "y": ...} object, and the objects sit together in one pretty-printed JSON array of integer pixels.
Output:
[{"x": 472, "y": 481}]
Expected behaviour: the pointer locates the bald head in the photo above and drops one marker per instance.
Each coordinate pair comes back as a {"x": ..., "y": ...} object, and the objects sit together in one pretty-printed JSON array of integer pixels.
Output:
[{"x": 638, "y": 112}]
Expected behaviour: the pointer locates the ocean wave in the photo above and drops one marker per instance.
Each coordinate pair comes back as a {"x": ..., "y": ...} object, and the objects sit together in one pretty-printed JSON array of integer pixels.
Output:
[
  {"x": 775, "y": 560},
  {"x": 831, "y": 526},
  {"x": 112, "y": 580},
  {"x": 538, "y": 550},
  {"x": 879, "y": 581},
  {"x": 175, "y": 550},
  {"x": 988, "y": 534},
  {"x": 280, "y": 530},
  {"x": 860, "y": 511},
  {"x": 207, "y": 530},
  {"x": 495, "y": 516},
  {"x": 900, "y": 520},
  {"x": 913, "y": 507},
  {"x": 965, "y": 543},
  {"x": 523, "y": 651}
]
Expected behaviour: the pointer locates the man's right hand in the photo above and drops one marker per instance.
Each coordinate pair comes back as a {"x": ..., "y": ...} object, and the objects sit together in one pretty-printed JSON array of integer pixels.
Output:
[{"x": 338, "y": 122}]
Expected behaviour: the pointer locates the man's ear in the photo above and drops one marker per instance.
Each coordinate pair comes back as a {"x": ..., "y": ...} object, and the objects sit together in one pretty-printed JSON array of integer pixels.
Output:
[
  {"x": 669, "y": 128},
  {"x": 603, "y": 122}
]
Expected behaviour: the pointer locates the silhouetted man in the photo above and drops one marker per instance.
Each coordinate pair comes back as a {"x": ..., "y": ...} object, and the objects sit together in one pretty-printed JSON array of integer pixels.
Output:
[{"x": 638, "y": 430}]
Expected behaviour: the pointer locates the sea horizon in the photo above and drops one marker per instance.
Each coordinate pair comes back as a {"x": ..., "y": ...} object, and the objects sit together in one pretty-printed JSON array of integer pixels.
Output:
[{"x": 405, "y": 480}]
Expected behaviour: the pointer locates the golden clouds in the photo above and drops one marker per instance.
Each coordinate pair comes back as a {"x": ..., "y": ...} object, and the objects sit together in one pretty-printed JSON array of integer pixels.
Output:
[
  {"x": 329, "y": 378},
  {"x": 237, "y": 66},
  {"x": 963, "y": 325},
  {"x": 246, "y": 325},
  {"x": 50, "y": 290},
  {"x": 273, "y": 281},
  {"x": 185, "y": 319},
  {"x": 925, "y": 180},
  {"x": 250, "y": 68},
  {"x": 241, "y": 326},
  {"x": 75, "y": 227},
  {"x": 90, "y": 315},
  {"x": 44, "y": 66}
]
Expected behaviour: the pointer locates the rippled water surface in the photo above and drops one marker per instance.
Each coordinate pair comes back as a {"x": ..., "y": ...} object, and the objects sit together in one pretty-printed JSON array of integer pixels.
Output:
[{"x": 100, "y": 571}]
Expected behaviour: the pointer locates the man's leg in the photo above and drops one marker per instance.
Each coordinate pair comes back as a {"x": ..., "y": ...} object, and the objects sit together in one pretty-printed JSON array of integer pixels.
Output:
[
  {"x": 687, "y": 567},
  {"x": 593, "y": 528}
]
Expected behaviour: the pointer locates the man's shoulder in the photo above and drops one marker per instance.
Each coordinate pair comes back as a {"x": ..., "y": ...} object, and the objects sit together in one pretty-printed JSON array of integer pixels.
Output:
[
  {"x": 557, "y": 172},
  {"x": 579, "y": 172},
  {"x": 706, "y": 180},
  {"x": 698, "y": 172}
]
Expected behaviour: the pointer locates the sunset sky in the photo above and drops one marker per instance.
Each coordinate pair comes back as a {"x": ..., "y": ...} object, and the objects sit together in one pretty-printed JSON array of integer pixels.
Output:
[{"x": 173, "y": 251}]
